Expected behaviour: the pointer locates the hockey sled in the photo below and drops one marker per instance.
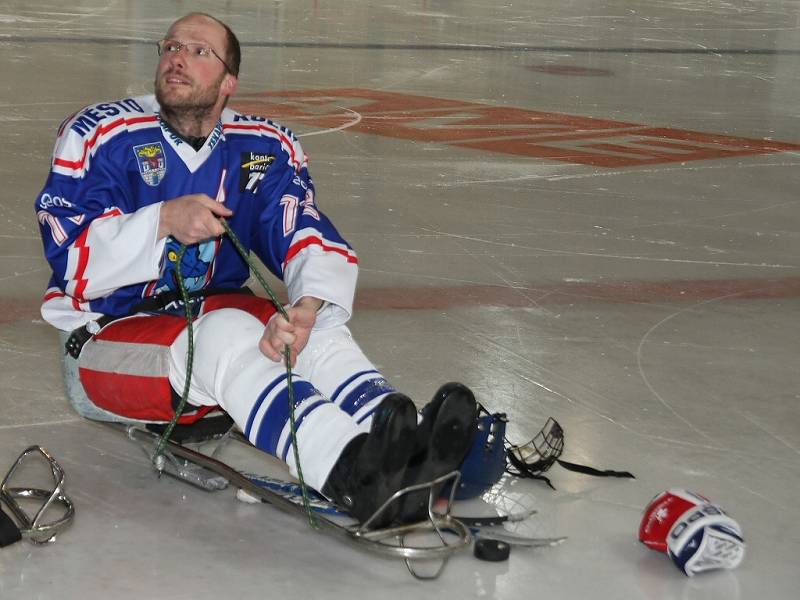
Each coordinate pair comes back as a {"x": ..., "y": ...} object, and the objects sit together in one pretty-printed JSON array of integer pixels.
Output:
[
  {"x": 204, "y": 455},
  {"x": 205, "y": 469},
  {"x": 198, "y": 461}
]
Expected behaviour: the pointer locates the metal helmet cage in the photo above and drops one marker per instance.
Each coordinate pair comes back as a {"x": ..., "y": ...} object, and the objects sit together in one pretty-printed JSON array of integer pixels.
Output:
[{"x": 538, "y": 455}]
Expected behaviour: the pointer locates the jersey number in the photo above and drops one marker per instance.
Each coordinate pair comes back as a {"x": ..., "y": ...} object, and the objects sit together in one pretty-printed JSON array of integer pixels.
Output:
[
  {"x": 56, "y": 230},
  {"x": 290, "y": 204}
]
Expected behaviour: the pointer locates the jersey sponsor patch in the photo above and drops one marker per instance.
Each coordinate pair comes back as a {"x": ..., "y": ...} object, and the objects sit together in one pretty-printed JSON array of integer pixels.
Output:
[
  {"x": 152, "y": 162},
  {"x": 253, "y": 168}
]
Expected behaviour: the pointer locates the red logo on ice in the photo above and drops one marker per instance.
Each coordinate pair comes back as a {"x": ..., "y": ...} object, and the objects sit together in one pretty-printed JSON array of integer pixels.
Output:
[{"x": 506, "y": 130}]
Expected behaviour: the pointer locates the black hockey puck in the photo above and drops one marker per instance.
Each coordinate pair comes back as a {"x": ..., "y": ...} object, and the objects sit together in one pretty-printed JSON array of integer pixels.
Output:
[{"x": 492, "y": 550}]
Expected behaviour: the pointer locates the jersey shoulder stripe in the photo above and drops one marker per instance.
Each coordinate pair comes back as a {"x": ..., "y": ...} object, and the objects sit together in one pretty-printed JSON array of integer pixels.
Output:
[
  {"x": 253, "y": 125},
  {"x": 307, "y": 238},
  {"x": 87, "y": 130}
]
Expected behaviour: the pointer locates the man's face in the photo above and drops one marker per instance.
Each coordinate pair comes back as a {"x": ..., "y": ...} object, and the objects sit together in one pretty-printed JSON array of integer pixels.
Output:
[{"x": 192, "y": 83}]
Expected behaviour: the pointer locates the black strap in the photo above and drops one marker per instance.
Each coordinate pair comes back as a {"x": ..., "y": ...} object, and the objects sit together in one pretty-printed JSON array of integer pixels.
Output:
[
  {"x": 81, "y": 335},
  {"x": 594, "y": 472},
  {"x": 9, "y": 532},
  {"x": 152, "y": 304},
  {"x": 170, "y": 300},
  {"x": 519, "y": 469},
  {"x": 203, "y": 430}
]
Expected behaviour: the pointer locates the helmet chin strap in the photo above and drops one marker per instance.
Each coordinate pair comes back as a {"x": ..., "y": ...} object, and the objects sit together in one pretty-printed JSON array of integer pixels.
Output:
[{"x": 532, "y": 459}]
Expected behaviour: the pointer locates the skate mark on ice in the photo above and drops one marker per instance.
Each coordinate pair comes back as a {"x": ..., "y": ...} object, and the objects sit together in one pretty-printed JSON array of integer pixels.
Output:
[{"x": 610, "y": 256}]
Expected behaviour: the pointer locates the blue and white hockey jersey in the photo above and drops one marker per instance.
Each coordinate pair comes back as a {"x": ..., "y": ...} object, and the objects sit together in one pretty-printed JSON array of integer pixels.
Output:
[{"x": 115, "y": 163}]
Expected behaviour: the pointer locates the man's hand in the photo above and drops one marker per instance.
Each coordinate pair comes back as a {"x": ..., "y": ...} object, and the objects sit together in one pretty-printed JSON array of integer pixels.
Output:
[
  {"x": 279, "y": 332},
  {"x": 191, "y": 219}
]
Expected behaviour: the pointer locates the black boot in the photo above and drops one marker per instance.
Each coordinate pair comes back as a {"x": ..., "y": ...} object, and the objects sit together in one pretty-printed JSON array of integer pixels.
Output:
[
  {"x": 444, "y": 437},
  {"x": 371, "y": 467}
]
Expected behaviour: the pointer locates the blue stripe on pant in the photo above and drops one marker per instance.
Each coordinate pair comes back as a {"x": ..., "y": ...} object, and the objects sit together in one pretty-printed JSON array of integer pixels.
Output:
[
  {"x": 363, "y": 393},
  {"x": 276, "y": 417}
]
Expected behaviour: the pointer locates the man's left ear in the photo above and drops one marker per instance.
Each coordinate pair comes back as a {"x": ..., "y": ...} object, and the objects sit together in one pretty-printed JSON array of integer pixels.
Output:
[{"x": 230, "y": 84}]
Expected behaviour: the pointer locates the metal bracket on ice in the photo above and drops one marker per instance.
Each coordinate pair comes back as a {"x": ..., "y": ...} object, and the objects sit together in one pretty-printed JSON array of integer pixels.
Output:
[{"x": 35, "y": 528}]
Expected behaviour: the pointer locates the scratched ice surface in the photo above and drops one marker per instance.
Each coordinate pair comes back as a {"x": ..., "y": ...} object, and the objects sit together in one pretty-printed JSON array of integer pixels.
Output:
[{"x": 584, "y": 210}]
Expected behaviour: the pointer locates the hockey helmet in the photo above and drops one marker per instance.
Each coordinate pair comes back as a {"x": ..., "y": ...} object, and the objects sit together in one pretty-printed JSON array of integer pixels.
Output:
[{"x": 485, "y": 462}]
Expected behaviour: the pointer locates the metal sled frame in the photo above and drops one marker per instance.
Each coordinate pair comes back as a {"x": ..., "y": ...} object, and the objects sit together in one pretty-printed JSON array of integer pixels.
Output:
[
  {"x": 36, "y": 529},
  {"x": 211, "y": 474}
]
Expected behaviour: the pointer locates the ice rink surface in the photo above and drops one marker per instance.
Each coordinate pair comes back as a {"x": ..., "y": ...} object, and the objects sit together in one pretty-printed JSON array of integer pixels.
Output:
[{"x": 584, "y": 210}]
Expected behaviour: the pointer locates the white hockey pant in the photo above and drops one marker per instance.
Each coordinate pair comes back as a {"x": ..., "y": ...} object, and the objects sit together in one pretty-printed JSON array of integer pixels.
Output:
[{"x": 336, "y": 388}]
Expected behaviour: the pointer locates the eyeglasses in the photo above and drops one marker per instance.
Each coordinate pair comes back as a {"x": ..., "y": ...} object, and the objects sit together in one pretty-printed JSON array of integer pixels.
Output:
[{"x": 202, "y": 51}]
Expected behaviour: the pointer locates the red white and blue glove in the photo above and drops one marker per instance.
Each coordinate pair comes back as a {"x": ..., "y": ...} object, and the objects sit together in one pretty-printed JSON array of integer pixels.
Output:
[{"x": 697, "y": 535}]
